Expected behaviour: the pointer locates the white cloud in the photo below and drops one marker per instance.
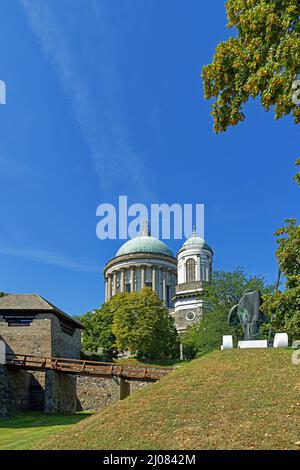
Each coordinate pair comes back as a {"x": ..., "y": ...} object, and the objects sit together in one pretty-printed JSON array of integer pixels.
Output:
[
  {"x": 117, "y": 165},
  {"x": 49, "y": 258}
]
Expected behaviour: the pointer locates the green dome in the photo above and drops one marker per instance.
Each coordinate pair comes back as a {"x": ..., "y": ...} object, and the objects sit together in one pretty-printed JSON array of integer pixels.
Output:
[
  {"x": 144, "y": 244},
  {"x": 196, "y": 242}
]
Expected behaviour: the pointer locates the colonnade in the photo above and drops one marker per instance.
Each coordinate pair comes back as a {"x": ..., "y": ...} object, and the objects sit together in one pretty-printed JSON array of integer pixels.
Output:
[{"x": 116, "y": 280}]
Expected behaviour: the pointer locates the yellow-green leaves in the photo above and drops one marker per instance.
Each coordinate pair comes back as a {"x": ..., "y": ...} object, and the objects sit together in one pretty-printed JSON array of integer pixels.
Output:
[{"x": 263, "y": 60}]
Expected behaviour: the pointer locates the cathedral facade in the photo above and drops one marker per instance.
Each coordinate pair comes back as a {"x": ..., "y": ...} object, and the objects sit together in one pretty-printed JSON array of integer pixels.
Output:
[{"x": 147, "y": 261}]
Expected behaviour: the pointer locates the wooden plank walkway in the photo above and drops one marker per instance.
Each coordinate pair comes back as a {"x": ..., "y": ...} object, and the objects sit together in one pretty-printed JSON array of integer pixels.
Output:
[{"x": 87, "y": 368}]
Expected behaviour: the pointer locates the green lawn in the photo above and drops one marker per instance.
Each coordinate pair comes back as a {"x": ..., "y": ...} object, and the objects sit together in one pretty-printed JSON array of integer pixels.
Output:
[{"x": 23, "y": 430}]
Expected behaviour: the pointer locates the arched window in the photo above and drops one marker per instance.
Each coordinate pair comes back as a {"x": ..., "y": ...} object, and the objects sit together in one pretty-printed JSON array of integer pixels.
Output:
[{"x": 190, "y": 270}]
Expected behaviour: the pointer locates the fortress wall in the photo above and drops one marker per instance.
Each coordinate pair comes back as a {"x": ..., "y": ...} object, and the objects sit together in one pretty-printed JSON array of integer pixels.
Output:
[
  {"x": 57, "y": 393},
  {"x": 43, "y": 337},
  {"x": 39, "y": 391},
  {"x": 26, "y": 390},
  {"x": 60, "y": 393},
  {"x": 64, "y": 345},
  {"x": 34, "y": 339},
  {"x": 19, "y": 383},
  {"x": 95, "y": 393},
  {"x": 50, "y": 391},
  {"x": 5, "y": 401}
]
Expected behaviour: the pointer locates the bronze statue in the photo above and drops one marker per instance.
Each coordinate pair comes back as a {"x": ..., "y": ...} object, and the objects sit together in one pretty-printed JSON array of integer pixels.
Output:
[{"x": 247, "y": 311}]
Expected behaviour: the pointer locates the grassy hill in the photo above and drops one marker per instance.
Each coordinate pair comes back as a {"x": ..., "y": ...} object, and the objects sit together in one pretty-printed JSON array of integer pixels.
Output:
[{"x": 239, "y": 399}]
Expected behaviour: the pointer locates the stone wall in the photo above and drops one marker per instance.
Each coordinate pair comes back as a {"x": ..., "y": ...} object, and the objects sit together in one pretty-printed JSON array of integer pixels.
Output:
[
  {"x": 60, "y": 393},
  {"x": 34, "y": 339},
  {"x": 39, "y": 391},
  {"x": 5, "y": 400},
  {"x": 94, "y": 393},
  {"x": 43, "y": 337},
  {"x": 57, "y": 393},
  {"x": 26, "y": 390},
  {"x": 50, "y": 391},
  {"x": 64, "y": 345},
  {"x": 19, "y": 383}
]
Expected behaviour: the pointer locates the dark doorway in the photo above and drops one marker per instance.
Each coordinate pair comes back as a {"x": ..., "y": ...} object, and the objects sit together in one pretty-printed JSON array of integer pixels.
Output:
[{"x": 36, "y": 395}]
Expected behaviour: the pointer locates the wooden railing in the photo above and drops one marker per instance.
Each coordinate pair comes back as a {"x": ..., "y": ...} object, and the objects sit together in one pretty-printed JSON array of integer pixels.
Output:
[{"x": 81, "y": 367}]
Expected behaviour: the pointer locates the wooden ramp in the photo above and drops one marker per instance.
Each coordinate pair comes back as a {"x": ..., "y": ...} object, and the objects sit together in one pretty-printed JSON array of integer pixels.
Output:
[{"x": 87, "y": 368}]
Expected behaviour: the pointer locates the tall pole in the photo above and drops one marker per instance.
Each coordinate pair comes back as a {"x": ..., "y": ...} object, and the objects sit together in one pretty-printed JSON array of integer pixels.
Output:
[{"x": 181, "y": 351}]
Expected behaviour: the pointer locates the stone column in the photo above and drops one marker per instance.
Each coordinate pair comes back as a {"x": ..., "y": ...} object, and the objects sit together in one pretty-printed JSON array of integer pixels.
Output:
[
  {"x": 154, "y": 279},
  {"x": 174, "y": 274},
  {"x": 198, "y": 269},
  {"x": 109, "y": 293},
  {"x": 164, "y": 287},
  {"x": 175, "y": 281},
  {"x": 115, "y": 282},
  {"x": 123, "y": 280},
  {"x": 172, "y": 284},
  {"x": 143, "y": 273},
  {"x": 106, "y": 289},
  {"x": 132, "y": 280},
  {"x": 181, "y": 351}
]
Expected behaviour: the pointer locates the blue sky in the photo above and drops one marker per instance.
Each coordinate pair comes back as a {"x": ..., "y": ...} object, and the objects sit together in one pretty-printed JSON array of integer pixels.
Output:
[{"x": 105, "y": 98}]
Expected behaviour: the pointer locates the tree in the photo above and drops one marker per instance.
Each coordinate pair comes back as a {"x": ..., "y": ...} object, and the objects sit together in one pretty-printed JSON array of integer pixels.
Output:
[
  {"x": 226, "y": 289},
  {"x": 143, "y": 326},
  {"x": 263, "y": 60},
  {"x": 297, "y": 176},
  {"x": 98, "y": 330},
  {"x": 288, "y": 252},
  {"x": 284, "y": 307},
  {"x": 207, "y": 335},
  {"x": 222, "y": 293}
]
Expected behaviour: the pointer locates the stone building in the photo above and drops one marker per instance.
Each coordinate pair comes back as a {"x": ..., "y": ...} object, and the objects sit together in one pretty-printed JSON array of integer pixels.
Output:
[
  {"x": 31, "y": 325},
  {"x": 147, "y": 261},
  {"x": 194, "y": 267},
  {"x": 142, "y": 261}
]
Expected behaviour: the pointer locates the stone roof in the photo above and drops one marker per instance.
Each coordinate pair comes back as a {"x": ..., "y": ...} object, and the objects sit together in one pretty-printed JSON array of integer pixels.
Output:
[{"x": 33, "y": 302}]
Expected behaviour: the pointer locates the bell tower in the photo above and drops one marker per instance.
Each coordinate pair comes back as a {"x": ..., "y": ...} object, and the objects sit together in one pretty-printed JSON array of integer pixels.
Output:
[{"x": 194, "y": 267}]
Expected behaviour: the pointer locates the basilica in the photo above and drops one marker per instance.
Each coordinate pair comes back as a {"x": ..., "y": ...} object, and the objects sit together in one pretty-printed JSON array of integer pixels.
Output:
[{"x": 147, "y": 261}]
